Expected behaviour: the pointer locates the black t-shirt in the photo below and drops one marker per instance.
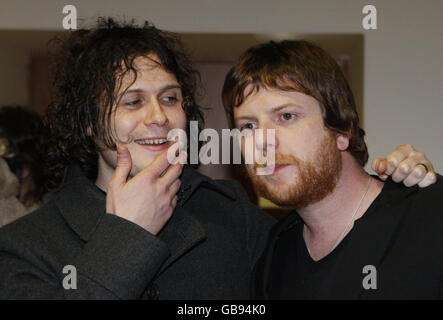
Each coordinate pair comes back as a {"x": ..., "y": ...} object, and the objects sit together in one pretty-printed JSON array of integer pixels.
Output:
[
  {"x": 394, "y": 251},
  {"x": 101, "y": 190},
  {"x": 295, "y": 275}
]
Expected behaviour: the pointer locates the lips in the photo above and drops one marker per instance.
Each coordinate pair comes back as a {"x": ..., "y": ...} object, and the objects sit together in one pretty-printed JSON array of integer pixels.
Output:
[
  {"x": 154, "y": 143},
  {"x": 277, "y": 167},
  {"x": 151, "y": 142}
]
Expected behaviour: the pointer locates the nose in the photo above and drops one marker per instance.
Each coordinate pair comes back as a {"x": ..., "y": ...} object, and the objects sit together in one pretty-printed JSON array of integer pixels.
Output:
[
  {"x": 265, "y": 139},
  {"x": 155, "y": 115}
]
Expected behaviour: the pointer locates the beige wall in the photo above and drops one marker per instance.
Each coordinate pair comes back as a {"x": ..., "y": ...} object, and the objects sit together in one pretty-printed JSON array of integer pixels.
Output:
[
  {"x": 14, "y": 64},
  {"x": 212, "y": 76},
  {"x": 402, "y": 71}
]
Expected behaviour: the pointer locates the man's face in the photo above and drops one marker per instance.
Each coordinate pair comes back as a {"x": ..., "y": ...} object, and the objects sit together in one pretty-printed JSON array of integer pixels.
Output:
[
  {"x": 151, "y": 107},
  {"x": 307, "y": 161}
]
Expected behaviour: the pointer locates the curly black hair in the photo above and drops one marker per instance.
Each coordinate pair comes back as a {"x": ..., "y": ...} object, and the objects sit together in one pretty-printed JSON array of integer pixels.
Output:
[
  {"x": 25, "y": 132},
  {"x": 88, "y": 69}
]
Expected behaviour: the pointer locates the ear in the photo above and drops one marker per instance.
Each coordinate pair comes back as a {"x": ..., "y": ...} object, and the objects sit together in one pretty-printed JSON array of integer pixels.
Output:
[
  {"x": 342, "y": 142},
  {"x": 89, "y": 132}
]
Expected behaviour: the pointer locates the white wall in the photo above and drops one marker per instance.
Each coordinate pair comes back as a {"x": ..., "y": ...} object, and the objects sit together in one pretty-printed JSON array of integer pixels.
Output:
[{"x": 403, "y": 61}]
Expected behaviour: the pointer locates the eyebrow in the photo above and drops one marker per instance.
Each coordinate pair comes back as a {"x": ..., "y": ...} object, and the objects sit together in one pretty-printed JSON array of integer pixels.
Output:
[
  {"x": 165, "y": 88},
  {"x": 273, "y": 109},
  {"x": 280, "y": 107},
  {"x": 243, "y": 118}
]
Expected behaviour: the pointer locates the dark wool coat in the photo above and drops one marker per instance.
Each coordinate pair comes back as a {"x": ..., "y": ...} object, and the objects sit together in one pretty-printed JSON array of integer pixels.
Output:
[{"x": 207, "y": 249}]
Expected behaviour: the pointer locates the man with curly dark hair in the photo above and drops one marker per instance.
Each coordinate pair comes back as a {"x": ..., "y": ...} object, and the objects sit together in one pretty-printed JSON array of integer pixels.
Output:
[
  {"x": 125, "y": 223},
  {"x": 118, "y": 90}
]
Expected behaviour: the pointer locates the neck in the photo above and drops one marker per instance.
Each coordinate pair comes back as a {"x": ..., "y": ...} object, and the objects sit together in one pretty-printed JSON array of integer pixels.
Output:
[{"x": 331, "y": 218}]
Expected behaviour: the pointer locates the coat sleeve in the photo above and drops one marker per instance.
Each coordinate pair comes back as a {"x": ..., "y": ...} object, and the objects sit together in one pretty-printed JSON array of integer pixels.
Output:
[
  {"x": 258, "y": 224},
  {"x": 118, "y": 262}
]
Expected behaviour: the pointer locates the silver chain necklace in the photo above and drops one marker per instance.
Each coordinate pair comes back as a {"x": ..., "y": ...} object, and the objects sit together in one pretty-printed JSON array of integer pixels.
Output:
[{"x": 340, "y": 238}]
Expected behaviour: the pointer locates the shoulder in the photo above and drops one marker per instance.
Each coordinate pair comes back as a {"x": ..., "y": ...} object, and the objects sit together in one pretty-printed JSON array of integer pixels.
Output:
[
  {"x": 394, "y": 193},
  {"x": 242, "y": 200},
  {"x": 226, "y": 200},
  {"x": 32, "y": 222},
  {"x": 428, "y": 202},
  {"x": 434, "y": 191},
  {"x": 429, "y": 197},
  {"x": 11, "y": 209},
  {"x": 235, "y": 188},
  {"x": 419, "y": 210},
  {"x": 40, "y": 231},
  {"x": 201, "y": 186}
]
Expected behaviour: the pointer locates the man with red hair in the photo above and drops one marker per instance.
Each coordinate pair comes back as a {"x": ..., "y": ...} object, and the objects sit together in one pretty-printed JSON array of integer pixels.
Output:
[{"x": 346, "y": 223}]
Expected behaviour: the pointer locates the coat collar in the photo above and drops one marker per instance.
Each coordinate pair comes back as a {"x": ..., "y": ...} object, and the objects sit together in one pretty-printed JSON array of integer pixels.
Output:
[
  {"x": 372, "y": 242},
  {"x": 80, "y": 202},
  {"x": 82, "y": 205},
  {"x": 192, "y": 180}
]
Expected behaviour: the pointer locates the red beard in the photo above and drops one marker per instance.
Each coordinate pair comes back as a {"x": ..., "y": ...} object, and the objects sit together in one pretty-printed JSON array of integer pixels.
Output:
[{"x": 315, "y": 179}]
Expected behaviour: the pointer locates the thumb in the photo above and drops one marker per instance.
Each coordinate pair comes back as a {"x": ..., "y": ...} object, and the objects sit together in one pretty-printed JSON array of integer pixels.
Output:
[
  {"x": 124, "y": 165},
  {"x": 380, "y": 166}
]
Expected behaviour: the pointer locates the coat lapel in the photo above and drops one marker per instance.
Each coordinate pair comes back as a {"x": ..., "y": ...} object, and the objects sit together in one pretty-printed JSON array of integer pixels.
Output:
[
  {"x": 183, "y": 231},
  {"x": 181, "y": 234},
  {"x": 82, "y": 205}
]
